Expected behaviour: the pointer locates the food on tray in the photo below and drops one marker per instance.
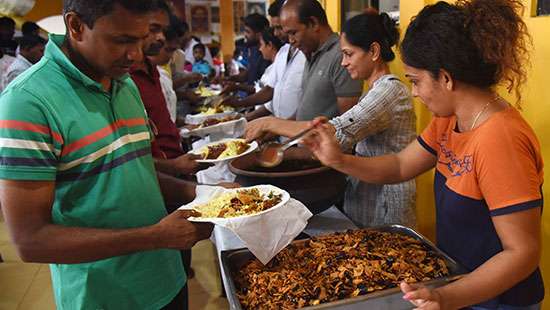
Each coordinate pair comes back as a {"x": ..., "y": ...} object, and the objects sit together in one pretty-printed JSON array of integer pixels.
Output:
[
  {"x": 335, "y": 267},
  {"x": 225, "y": 149},
  {"x": 239, "y": 203},
  {"x": 216, "y": 121},
  {"x": 206, "y": 92},
  {"x": 215, "y": 110}
]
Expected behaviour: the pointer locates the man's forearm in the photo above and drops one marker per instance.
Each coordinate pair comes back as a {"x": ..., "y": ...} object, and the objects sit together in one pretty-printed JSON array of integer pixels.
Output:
[
  {"x": 264, "y": 95},
  {"x": 287, "y": 128},
  {"x": 176, "y": 191},
  {"x": 346, "y": 103},
  {"x": 67, "y": 245},
  {"x": 165, "y": 166},
  {"x": 261, "y": 112}
]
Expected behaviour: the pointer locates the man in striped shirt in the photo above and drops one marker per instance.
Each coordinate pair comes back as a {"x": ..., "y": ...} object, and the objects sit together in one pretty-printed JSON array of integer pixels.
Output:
[{"x": 78, "y": 186}]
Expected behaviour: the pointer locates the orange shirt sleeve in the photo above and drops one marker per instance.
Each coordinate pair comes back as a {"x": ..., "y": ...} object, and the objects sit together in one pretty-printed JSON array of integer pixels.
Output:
[
  {"x": 429, "y": 137},
  {"x": 509, "y": 169}
]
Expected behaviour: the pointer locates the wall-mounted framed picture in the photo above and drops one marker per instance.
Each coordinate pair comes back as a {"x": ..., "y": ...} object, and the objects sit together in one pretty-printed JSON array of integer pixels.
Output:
[{"x": 199, "y": 18}]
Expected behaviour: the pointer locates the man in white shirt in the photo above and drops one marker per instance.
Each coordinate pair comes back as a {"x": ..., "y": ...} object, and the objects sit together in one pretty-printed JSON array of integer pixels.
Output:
[
  {"x": 162, "y": 61},
  {"x": 283, "y": 79},
  {"x": 31, "y": 51},
  {"x": 5, "y": 62},
  {"x": 288, "y": 69}
]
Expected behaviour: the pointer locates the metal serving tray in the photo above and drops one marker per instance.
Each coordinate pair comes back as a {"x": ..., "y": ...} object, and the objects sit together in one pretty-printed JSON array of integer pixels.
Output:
[{"x": 233, "y": 261}]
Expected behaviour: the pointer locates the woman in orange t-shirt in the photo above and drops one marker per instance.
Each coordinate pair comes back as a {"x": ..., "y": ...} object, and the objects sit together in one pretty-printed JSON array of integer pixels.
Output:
[{"x": 488, "y": 167}]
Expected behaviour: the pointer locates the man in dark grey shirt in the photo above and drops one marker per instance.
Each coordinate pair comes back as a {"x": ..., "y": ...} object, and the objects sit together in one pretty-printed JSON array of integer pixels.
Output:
[{"x": 328, "y": 89}]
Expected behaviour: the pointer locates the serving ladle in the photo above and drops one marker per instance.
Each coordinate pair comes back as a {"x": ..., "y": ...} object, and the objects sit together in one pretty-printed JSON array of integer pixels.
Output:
[{"x": 272, "y": 154}]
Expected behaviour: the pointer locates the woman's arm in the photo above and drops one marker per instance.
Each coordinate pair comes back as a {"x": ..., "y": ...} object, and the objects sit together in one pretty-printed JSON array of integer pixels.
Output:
[{"x": 392, "y": 168}]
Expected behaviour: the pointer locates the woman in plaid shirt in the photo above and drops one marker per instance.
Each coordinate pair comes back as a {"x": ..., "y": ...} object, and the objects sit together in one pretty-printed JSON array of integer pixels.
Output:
[{"x": 382, "y": 122}]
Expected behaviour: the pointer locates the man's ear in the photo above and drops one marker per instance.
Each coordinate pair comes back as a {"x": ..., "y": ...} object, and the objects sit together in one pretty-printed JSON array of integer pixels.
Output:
[{"x": 75, "y": 26}]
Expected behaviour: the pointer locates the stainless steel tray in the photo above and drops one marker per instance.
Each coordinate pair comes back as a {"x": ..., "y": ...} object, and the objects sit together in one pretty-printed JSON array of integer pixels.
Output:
[{"x": 233, "y": 261}]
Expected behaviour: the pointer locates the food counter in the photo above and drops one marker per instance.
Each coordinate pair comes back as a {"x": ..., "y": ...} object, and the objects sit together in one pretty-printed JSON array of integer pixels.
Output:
[{"x": 357, "y": 269}]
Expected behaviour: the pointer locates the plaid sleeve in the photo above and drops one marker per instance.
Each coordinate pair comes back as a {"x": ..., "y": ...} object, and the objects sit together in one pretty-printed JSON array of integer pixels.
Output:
[
  {"x": 30, "y": 142},
  {"x": 371, "y": 115}
]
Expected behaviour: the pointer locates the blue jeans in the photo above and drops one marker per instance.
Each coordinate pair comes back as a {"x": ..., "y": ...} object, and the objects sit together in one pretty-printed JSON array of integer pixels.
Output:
[{"x": 506, "y": 307}]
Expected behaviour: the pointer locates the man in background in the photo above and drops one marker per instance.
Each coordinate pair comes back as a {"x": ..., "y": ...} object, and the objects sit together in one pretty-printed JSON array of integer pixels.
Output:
[
  {"x": 166, "y": 148},
  {"x": 78, "y": 187},
  {"x": 30, "y": 29},
  {"x": 7, "y": 30},
  {"x": 31, "y": 50}
]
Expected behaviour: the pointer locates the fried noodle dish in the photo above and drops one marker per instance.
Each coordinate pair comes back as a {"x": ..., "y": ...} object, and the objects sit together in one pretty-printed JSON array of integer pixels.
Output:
[
  {"x": 335, "y": 267},
  {"x": 225, "y": 149},
  {"x": 239, "y": 203}
]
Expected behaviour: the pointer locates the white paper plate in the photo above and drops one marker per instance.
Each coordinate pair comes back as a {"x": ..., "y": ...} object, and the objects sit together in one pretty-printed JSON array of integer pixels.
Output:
[
  {"x": 252, "y": 147},
  {"x": 197, "y": 119},
  {"x": 201, "y": 132},
  {"x": 264, "y": 189}
]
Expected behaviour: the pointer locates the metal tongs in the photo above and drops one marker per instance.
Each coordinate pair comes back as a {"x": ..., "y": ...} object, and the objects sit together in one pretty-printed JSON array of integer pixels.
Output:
[{"x": 272, "y": 153}]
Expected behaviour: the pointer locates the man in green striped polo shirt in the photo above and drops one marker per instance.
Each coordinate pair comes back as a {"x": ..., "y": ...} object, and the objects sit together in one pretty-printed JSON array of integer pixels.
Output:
[{"x": 78, "y": 186}]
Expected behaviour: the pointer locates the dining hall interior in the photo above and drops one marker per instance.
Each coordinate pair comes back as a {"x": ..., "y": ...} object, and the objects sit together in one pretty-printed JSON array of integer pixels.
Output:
[{"x": 315, "y": 202}]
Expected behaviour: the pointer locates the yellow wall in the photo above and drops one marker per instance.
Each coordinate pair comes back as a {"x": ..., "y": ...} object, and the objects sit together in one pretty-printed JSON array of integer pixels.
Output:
[{"x": 536, "y": 110}]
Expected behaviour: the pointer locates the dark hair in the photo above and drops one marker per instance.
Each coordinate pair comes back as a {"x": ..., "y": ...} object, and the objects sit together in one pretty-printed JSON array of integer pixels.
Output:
[
  {"x": 163, "y": 6},
  {"x": 184, "y": 27},
  {"x": 29, "y": 28},
  {"x": 200, "y": 46},
  {"x": 269, "y": 37},
  {"x": 172, "y": 32},
  {"x": 90, "y": 11},
  {"x": 26, "y": 42},
  {"x": 275, "y": 8},
  {"x": 6, "y": 22},
  {"x": 306, "y": 9},
  {"x": 479, "y": 42},
  {"x": 367, "y": 28},
  {"x": 175, "y": 29},
  {"x": 256, "y": 22}
]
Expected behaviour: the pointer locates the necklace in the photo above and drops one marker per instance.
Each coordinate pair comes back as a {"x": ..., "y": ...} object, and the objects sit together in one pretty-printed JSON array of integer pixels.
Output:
[{"x": 481, "y": 112}]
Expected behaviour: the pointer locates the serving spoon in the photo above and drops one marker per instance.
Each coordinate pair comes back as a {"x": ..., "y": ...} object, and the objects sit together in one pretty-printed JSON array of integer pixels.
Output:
[{"x": 271, "y": 154}]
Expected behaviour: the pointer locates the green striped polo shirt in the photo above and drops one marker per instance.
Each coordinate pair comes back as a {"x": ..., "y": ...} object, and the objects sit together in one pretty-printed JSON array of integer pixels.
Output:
[{"x": 56, "y": 124}]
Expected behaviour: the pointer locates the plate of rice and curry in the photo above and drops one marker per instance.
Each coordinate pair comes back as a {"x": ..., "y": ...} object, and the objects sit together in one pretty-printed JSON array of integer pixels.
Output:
[
  {"x": 239, "y": 202},
  {"x": 224, "y": 150}
]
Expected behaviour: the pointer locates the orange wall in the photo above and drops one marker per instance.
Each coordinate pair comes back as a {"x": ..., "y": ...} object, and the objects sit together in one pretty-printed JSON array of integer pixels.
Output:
[{"x": 44, "y": 8}]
